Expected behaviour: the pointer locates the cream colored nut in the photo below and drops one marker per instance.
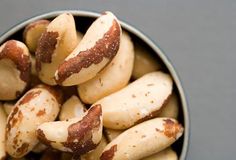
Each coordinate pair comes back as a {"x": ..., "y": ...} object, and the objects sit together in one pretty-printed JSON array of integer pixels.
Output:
[
  {"x": 111, "y": 134},
  {"x": 39, "y": 148},
  {"x": 37, "y": 106},
  {"x": 77, "y": 135},
  {"x": 57, "y": 42},
  {"x": 72, "y": 108},
  {"x": 166, "y": 154},
  {"x": 139, "y": 101},
  {"x": 33, "y": 32},
  {"x": 3, "y": 121},
  {"x": 8, "y": 106},
  {"x": 97, "y": 152},
  {"x": 14, "y": 69},
  {"x": 171, "y": 109},
  {"x": 155, "y": 134},
  {"x": 144, "y": 62},
  {"x": 114, "y": 77},
  {"x": 97, "y": 48}
]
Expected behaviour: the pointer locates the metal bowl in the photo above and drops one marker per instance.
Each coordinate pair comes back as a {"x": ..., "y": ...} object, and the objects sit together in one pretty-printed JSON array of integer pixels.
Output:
[{"x": 84, "y": 19}]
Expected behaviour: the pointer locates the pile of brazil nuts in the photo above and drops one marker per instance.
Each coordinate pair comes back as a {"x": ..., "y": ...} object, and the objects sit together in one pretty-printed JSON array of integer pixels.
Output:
[{"x": 98, "y": 95}]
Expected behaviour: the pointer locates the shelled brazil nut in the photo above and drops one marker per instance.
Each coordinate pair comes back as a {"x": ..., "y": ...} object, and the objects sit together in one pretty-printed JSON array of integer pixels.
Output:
[{"x": 88, "y": 92}]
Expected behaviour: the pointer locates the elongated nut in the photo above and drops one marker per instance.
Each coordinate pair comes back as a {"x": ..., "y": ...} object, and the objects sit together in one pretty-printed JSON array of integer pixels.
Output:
[
  {"x": 37, "y": 106},
  {"x": 105, "y": 82},
  {"x": 33, "y": 32},
  {"x": 39, "y": 148},
  {"x": 97, "y": 152},
  {"x": 166, "y": 154},
  {"x": 72, "y": 108},
  {"x": 111, "y": 134},
  {"x": 8, "y": 106},
  {"x": 57, "y": 42},
  {"x": 97, "y": 48},
  {"x": 171, "y": 109},
  {"x": 77, "y": 135},
  {"x": 137, "y": 102},
  {"x": 14, "y": 69},
  {"x": 3, "y": 121},
  {"x": 144, "y": 62},
  {"x": 143, "y": 139}
]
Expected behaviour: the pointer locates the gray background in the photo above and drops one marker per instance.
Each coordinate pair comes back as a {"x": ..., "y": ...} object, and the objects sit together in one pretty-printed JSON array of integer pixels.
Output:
[{"x": 200, "y": 39}]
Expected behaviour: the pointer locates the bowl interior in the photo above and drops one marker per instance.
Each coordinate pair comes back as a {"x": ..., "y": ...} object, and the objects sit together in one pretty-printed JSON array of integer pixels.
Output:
[{"x": 83, "y": 21}]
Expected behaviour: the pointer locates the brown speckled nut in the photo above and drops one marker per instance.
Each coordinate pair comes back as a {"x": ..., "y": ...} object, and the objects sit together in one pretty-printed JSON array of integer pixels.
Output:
[
  {"x": 155, "y": 134},
  {"x": 78, "y": 135},
  {"x": 139, "y": 101},
  {"x": 97, "y": 48},
  {"x": 14, "y": 69},
  {"x": 55, "y": 44},
  {"x": 37, "y": 106}
]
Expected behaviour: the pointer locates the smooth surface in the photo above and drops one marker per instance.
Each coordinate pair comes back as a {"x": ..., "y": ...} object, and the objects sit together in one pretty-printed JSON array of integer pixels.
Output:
[{"x": 199, "y": 37}]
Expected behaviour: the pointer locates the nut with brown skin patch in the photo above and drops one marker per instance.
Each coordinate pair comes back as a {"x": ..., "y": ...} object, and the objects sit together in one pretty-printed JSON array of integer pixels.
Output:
[
  {"x": 37, "y": 106},
  {"x": 151, "y": 134},
  {"x": 14, "y": 69},
  {"x": 105, "y": 83},
  {"x": 33, "y": 32},
  {"x": 121, "y": 111},
  {"x": 171, "y": 129},
  {"x": 78, "y": 135},
  {"x": 109, "y": 154},
  {"x": 96, "y": 50},
  {"x": 55, "y": 44}
]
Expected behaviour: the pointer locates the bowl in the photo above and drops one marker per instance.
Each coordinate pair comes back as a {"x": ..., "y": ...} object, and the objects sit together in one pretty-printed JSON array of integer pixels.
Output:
[{"x": 84, "y": 19}]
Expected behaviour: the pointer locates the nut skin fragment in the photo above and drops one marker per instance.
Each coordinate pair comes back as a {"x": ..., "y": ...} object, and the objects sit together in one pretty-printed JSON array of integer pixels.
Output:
[
  {"x": 171, "y": 128},
  {"x": 46, "y": 46},
  {"x": 109, "y": 154}
]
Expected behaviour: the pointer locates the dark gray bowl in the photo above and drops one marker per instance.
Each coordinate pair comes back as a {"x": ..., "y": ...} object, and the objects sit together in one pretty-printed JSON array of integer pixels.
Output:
[{"x": 84, "y": 19}]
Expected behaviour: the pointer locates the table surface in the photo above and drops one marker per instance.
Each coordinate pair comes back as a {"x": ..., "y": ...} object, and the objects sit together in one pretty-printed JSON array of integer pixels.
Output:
[{"x": 199, "y": 37}]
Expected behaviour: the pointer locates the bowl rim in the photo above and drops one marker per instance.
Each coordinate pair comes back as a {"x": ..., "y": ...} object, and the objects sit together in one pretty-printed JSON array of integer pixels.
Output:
[{"x": 139, "y": 34}]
